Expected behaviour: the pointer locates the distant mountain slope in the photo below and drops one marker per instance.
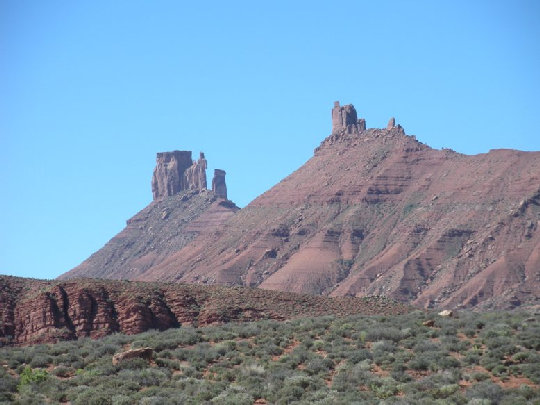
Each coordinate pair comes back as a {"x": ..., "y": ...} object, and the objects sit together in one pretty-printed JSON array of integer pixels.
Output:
[
  {"x": 374, "y": 211},
  {"x": 156, "y": 232},
  {"x": 377, "y": 212},
  {"x": 37, "y": 311}
]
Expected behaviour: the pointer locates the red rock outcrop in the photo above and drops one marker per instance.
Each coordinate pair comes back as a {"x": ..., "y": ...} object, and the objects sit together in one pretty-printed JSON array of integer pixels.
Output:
[
  {"x": 344, "y": 119},
  {"x": 196, "y": 174},
  {"x": 218, "y": 183},
  {"x": 169, "y": 178},
  {"x": 176, "y": 172},
  {"x": 144, "y": 353},
  {"x": 36, "y": 311}
]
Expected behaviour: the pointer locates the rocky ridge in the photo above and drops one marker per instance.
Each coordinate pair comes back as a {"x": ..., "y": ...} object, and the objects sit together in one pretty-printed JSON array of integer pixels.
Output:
[
  {"x": 37, "y": 311},
  {"x": 375, "y": 211},
  {"x": 155, "y": 233}
]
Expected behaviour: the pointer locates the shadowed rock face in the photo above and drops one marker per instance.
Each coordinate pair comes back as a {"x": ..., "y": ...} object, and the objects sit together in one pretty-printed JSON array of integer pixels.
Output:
[{"x": 37, "y": 311}]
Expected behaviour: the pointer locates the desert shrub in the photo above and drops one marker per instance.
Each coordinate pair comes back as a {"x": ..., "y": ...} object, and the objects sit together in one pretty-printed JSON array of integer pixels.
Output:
[
  {"x": 62, "y": 371},
  {"x": 427, "y": 346},
  {"x": 532, "y": 371},
  {"x": 448, "y": 362},
  {"x": 295, "y": 387},
  {"x": 444, "y": 391},
  {"x": 479, "y": 376},
  {"x": 528, "y": 337},
  {"x": 384, "y": 388},
  {"x": 349, "y": 378},
  {"x": 485, "y": 390},
  {"x": 106, "y": 349},
  {"x": 419, "y": 363},
  {"x": 471, "y": 358},
  {"x": 234, "y": 395},
  {"x": 40, "y": 360},
  {"x": 30, "y": 376},
  {"x": 400, "y": 375},
  {"x": 384, "y": 333},
  {"x": 319, "y": 366},
  {"x": 93, "y": 396},
  {"x": 8, "y": 385},
  {"x": 360, "y": 355}
]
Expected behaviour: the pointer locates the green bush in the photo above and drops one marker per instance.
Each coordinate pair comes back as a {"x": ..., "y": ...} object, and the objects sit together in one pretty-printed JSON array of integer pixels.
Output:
[{"x": 29, "y": 376}]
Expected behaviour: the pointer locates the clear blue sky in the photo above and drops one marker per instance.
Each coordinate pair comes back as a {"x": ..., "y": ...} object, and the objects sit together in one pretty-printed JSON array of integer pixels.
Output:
[{"x": 91, "y": 90}]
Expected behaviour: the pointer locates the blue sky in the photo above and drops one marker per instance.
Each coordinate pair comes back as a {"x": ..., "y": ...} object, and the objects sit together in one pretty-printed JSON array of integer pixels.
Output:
[{"x": 91, "y": 90}]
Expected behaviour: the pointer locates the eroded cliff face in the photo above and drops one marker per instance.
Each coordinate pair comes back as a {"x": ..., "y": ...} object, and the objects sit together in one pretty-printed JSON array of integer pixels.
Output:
[
  {"x": 176, "y": 172},
  {"x": 36, "y": 311},
  {"x": 169, "y": 175}
]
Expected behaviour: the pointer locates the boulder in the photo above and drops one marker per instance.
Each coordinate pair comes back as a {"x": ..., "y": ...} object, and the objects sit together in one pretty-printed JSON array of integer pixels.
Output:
[
  {"x": 144, "y": 353},
  {"x": 446, "y": 312}
]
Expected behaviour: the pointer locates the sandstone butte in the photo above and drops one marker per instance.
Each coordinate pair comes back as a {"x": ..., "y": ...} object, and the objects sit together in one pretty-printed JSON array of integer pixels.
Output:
[
  {"x": 373, "y": 212},
  {"x": 37, "y": 311}
]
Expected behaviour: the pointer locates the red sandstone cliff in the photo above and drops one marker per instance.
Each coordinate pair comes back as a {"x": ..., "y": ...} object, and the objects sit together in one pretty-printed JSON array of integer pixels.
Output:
[{"x": 36, "y": 311}]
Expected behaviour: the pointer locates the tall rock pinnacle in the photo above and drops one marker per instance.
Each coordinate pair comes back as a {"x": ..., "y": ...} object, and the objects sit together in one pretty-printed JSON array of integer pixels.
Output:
[
  {"x": 168, "y": 178},
  {"x": 175, "y": 172},
  {"x": 196, "y": 174},
  {"x": 344, "y": 118},
  {"x": 218, "y": 183}
]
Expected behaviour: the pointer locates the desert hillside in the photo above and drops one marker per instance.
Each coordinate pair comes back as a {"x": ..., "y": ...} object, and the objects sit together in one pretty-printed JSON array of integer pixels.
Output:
[{"x": 373, "y": 212}]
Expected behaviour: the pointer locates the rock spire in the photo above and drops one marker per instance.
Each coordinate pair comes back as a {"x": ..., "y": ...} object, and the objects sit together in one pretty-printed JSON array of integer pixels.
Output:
[
  {"x": 218, "y": 183},
  {"x": 344, "y": 118},
  {"x": 176, "y": 171},
  {"x": 196, "y": 174},
  {"x": 169, "y": 178}
]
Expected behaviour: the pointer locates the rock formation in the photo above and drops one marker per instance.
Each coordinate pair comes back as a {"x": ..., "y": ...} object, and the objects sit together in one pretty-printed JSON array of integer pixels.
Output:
[
  {"x": 144, "y": 353},
  {"x": 196, "y": 174},
  {"x": 344, "y": 118},
  {"x": 391, "y": 123},
  {"x": 175, "y": 172},
  {"x": 183, "y": 209},
  {"x": 218, "y": 183},
  {"x": 168, "y": 178},
  {"x": 37, "y": 311}
]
